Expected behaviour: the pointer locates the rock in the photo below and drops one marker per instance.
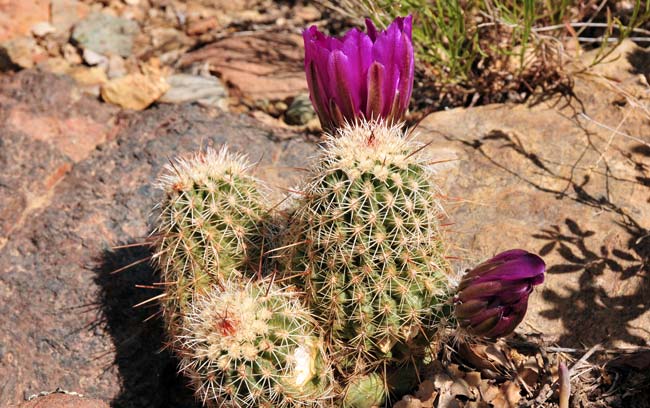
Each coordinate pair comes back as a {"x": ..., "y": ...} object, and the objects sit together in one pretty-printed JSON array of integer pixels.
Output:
[
  {"x": 66, "y": 13},
  {"x": 267, "y": 119},
  {"x": 166, "y": 39},
  {"x": 300, "y": 111},
  {"x": 569, "y": 181},
  {"x": 135, "y": 13},
  {"x": 207, "y": 91},
  {"x": 92, "y": 58},
  {"x": 88, "y": 76},
  {"x": 42, "y": 28},
  {"x": 65, "y": 320},
  {"x": 61, "y": 400},
  {"x": 56, "y": 143},
  {"x": 23, "y": 52},
  {"x": 616, "y": 68},
  {"x": 18, "y": 17},
  {"x": 116, "y": 67},
  {"x": 71, "y": 54},
  {"x": 260, "y": 66},
  {"x": 106, "y": 34},
  {"x": 228, "y": 6},
  {"x": 56, "y": 65},
  {"x": 74, "y": 136},
  {"x": 134, "y": 91},
  {"x": 203, "y": 26}
]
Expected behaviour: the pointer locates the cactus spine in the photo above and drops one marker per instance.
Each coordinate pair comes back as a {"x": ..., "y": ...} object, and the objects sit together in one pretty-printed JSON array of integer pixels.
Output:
[
  {"x": 210, "y": 227},
  {"x": 372, "y": 257},
  {"x": 253, "y": 346}
]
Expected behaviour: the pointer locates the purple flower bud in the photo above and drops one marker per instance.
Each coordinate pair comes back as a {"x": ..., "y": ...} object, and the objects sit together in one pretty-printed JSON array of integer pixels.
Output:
[
  {"x": 493, "y": 297},
  {"x": 360, "y": 76}
]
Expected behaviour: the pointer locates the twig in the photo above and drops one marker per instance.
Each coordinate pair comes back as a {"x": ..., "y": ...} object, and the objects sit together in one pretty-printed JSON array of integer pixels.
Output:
[
  {"x": 611, "y": 137},
  {"x": 611, "y": 39},
  {"x": 578, "y": 24},
  {"x": 584, "y": 358},
  {"x": 625, "y": 135}
]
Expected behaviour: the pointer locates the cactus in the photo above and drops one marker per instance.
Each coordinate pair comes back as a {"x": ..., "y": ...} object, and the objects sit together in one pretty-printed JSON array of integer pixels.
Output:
[
  {"x": 365, "y": 391},
  {"x": 379, "y": 388},
  {"x": 253, "y": 345},
  {"x": 210, "y": 227},
  {"x": 367, "y": 245}
]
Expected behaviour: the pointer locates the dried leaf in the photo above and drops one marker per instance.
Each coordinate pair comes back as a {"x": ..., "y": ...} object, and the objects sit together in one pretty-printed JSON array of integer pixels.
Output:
[
  {"x": 516, "y": 357},
  {"x": 529, "y": 372},
  {"x": 442, "y": 382},
  {"x": 484, "y": 357},
  {"x": 460, "y": 387},
  {"x": 408, "y": 402},
  {"x": 473, "y": 378},
  {"x": 427, "y": 393},
  {"x": 489, "y": 392},
  {"x": 508, "y": 396}
]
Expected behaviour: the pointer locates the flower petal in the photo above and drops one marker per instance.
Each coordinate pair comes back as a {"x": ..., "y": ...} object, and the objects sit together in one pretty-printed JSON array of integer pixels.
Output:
[
  {"x": 524, "y": 267},
  {"x": 372, "y": 30},
  {"x": 375, "y": 101},
  {"x": 384, "y": 51},
  {"x": 406, "y": 74},
  {"x": 506, "y": 325},
  {"x": 318, "y": 95},
  {"x": 480, "y": 291},
  {"x": 470, "y": 308},
  {"x": 357, "y": 46},
  {"x": 342, "y": 84},
  {"x": 485, "y": 321}
]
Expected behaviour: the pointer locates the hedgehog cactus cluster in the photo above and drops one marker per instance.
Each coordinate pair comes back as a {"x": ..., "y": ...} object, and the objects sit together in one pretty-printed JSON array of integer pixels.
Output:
[
  {"x": 243, "y": 342},
  {"x": 340, "y": 297}
]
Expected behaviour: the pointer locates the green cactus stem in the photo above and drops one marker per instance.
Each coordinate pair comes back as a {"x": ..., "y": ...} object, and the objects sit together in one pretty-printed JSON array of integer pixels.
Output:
[
  {"x": 210, "y": 227},
  {"x": 370, "y": 251},
  {"x": 254, "y": 346}
]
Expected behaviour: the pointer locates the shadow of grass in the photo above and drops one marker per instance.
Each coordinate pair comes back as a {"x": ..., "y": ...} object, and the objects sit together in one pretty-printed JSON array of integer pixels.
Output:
[
  {"x": 590, "y": 307},
  {"x": 640, "y": 61}
]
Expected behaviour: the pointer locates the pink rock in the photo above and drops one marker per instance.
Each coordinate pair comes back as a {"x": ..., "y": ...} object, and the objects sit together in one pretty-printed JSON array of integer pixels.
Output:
[{"x": 260, "y": 66}]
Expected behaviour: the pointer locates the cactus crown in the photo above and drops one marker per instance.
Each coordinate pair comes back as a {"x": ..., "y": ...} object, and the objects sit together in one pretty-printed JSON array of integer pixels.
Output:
[
  {"x": 365, "y": 143},
  {"x": 200, "y": 168},
  {"x": 248, "y": 345},
  {"x": 372, "y": 258}
]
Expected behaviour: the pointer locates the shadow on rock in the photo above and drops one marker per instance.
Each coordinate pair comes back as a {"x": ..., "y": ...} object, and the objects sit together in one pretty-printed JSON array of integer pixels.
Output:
[
  {"x": 640, "y": 61},
  {"x": 591, "y": 307},
  {"x": 148, "y": 372}
]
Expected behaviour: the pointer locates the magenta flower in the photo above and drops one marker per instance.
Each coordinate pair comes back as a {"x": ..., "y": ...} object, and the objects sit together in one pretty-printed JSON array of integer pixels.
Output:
[
  {"x": 360, "y": 76},
  {"x": 493, "y": 297}
]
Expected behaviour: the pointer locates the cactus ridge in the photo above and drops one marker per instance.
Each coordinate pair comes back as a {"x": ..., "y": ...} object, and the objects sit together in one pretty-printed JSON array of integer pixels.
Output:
[
  {"x": 373, "y": 259},
  {"x": 210, "y": 227},
  {"x": 254, "y": 346}
]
